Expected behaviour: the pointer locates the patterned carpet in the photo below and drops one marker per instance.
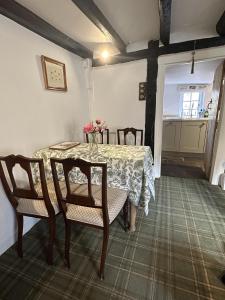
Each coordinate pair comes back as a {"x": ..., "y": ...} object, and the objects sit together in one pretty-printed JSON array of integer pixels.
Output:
[{"x": 177, "y": 252}]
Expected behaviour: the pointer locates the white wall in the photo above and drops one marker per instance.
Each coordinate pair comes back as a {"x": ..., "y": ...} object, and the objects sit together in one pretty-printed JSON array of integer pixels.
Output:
[
  {"x": 32, "y": 117},
  {"x": 218, "y": 162},
  {"x": 171, "y": 102},
  {"x": 115, "y": 94},
  {"x": 212, "y": 123}
]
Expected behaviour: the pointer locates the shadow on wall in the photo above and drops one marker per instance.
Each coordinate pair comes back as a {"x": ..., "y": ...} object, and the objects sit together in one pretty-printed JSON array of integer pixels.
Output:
[
  {"x": 8, "y": 220},
  {"x": 73, "y": 133},
  {"x": 6, "y": 238},
  {"x": 40, "y": 71}
]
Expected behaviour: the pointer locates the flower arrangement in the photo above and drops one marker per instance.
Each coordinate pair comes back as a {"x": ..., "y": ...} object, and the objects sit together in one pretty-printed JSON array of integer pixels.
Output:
[
  {"x": 92, "y": 129},
  {"x": 95, "y": 127}
]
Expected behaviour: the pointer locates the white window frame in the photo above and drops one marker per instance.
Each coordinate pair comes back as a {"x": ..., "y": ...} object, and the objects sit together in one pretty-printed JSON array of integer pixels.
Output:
[{"x": 200, "y": 102}]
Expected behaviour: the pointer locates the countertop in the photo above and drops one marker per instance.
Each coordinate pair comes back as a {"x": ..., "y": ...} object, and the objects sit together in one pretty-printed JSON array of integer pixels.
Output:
[{"x": 174, "y": 119}]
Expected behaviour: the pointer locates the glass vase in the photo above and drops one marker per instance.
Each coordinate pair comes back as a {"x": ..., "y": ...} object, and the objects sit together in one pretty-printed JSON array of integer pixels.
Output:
[{"x": 93, "y": 143}]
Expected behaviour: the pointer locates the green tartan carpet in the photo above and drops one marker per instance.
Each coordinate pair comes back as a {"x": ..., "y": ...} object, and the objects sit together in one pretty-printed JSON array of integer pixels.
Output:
[{"x": 177, "y": 252}]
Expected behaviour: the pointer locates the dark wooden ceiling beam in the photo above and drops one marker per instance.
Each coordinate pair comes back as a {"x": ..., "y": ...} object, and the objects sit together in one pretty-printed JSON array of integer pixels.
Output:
[
  {"x": 90, "y": 9},
  {"x": 220, "y": 26},
  {"x": 165, "y": 20},
  {"x": 189, "y": 45},
  {"x": 122, "y": 58},
  {"x": 31, "y": 21},
  {"x": 170, "y": 49}
]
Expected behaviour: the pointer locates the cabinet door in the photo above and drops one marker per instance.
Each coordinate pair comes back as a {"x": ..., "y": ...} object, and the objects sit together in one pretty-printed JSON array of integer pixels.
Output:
[
  {"x": 193, "y": 136},
  {"x": 171, "y": 135}
]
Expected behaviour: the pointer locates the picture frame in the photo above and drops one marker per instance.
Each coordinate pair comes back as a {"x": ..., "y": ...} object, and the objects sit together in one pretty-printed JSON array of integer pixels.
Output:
[
  {"x": 142, "y": 91},
  {"x": 54, "y": 73},
  {"x": 64, "y": 146}
]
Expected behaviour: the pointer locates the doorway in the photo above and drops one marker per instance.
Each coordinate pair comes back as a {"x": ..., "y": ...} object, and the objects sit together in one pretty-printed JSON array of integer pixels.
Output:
[{"x": 189, "y": 118}]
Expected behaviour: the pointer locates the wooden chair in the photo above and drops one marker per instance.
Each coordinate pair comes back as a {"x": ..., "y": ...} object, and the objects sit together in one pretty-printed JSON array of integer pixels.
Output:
[
  {"x": 33, "y": 200},
  {"x": 88, "y": 204},
  {"x": 101, "y": 136},
  {"x": 130, "y": 130}
]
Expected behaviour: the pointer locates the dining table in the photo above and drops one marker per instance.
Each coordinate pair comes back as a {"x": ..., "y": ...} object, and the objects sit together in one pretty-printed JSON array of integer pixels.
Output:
[{"x": 128, "y": 167}]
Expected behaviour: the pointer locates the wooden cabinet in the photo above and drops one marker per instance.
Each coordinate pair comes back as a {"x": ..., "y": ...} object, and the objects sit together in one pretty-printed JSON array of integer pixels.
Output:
[
  {"x": 171, "y": 135},
  {"x": 193, "y": 136},
  {"x": 185, "y": 136}
]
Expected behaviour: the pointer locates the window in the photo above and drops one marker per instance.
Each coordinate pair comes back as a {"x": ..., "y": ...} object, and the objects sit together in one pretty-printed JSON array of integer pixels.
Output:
[{"x": 191, "y": 104}]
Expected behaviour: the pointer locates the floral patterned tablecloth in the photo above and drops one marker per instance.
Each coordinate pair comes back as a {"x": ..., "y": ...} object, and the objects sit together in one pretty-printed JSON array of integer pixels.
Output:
[{"x": 129, "y": 168}]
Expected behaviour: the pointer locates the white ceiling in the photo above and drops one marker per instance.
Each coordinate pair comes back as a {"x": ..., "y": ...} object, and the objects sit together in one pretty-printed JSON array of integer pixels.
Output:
[
  {"x": 65, "y": 16},
  {"x": 194, "y": 19},
  {"x": 136, "y": 21},
  {"x": 180, "y": 74}
]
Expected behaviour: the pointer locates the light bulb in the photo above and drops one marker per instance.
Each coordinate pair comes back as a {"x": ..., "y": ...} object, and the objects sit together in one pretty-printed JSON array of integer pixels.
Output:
[{"x": 105, "y": 54}]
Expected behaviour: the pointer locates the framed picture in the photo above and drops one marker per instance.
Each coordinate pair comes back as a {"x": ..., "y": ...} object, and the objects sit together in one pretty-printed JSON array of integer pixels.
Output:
[
  {"x": 142, "y": 91},
  {"x": 64, "y": 146},
  {"x": 54, "y": 74}
]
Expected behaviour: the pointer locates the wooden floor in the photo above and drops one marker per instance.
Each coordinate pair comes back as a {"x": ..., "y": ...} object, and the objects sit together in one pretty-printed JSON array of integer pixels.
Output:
[
  {"x": 182, "y": 171},
  {"x": 184, "y": 165}
]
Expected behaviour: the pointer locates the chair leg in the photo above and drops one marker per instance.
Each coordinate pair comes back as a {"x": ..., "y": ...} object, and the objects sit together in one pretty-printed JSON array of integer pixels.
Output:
[
  {"x": 223, "y": 278},
  {"x": 20, "y": 235},
  {"x": 67, "y": 242},
  {"x": 133, "y": 214},
  {"x": 51, "y": 222},
  {"x": 104, "y": 251},
  {"x": 125, "y": 215}
]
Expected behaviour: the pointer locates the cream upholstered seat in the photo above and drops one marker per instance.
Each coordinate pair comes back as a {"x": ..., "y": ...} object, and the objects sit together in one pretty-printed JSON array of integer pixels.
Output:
[
  {"x": 89, "y": 215},
  {"x": 88, "y": 204},
  {"x": 38, "y": 207},
  {"x": 27, "y": 198}
]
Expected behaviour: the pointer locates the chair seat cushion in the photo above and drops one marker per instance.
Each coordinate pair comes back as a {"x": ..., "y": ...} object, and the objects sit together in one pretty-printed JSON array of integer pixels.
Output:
[
  {"x": 115, "y": 199},
  {"x": 37, "y": 207}
]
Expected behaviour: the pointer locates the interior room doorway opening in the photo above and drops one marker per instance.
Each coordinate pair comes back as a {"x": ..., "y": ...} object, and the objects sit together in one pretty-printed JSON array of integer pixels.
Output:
[{"x": 190, "y": 115}]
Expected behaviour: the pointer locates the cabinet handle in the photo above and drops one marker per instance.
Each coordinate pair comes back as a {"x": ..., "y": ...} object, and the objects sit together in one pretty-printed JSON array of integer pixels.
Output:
[{"x": 203, "y": 124}]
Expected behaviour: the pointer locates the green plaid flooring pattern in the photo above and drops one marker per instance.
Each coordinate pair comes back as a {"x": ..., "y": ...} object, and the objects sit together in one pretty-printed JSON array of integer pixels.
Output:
[{"x": 177, "y": 252}]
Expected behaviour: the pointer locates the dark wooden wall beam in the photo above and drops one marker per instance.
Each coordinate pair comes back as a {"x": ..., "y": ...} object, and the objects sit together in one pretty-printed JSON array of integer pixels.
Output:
[
  {"x": 152, "y": 73},
  {"x": 220, "y": 26},
  {"x": 170, "y": 49},
  {"x": 165, "y": 20},
  {"x": 18, "y": 13},
  {"x": 90, "y": 9}
]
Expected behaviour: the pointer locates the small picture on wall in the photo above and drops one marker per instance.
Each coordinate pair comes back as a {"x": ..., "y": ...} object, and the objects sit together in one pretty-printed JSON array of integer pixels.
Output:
[
  {"x": 54, "y": 74},
  {"x": 142, "y": 91}
]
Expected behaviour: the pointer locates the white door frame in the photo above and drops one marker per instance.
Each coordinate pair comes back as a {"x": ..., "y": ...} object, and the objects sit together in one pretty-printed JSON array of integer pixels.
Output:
[{"x": 164, "y": 62}]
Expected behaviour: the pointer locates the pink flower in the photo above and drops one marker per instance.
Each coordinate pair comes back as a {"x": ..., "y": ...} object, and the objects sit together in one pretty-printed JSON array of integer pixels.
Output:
[
  {"x": 88, "y": 128},
  {"x": 97, "y": 126}
]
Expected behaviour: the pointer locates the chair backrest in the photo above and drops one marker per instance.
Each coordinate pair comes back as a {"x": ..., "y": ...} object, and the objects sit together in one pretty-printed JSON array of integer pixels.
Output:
[
  {"x": 85, "y": 167},
  {"x": 132, "y": 130},
  {"x": 28, "y": 192},
  {"x": 102, "y": 134}
]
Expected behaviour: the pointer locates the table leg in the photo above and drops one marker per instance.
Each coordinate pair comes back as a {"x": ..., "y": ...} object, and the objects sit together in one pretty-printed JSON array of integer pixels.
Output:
[{"x": 133, "y": 213}]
